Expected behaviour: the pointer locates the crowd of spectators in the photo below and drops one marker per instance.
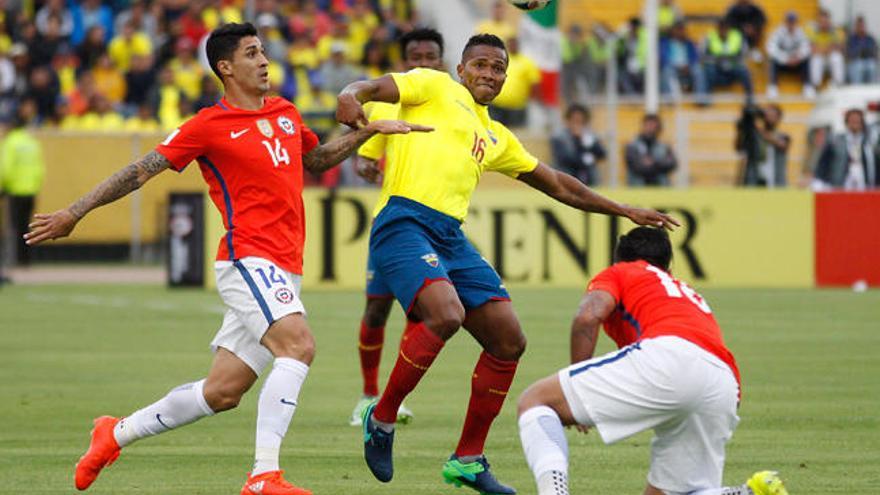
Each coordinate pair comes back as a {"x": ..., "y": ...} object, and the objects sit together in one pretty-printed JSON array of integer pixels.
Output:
[
  {"x": 813, "y": 52},
  {"x": 135, "y": 64}
]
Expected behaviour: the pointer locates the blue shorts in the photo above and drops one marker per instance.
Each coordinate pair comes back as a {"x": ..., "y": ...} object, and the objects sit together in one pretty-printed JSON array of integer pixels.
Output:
[
  {"x": 412, "y": 245},
  {"x": 376, "y": 286}
]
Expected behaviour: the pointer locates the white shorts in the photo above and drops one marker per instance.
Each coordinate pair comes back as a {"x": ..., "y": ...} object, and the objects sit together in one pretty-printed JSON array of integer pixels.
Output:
[
  {"x": 686, "y": 394},
  {"x": 257, "y": 293}
]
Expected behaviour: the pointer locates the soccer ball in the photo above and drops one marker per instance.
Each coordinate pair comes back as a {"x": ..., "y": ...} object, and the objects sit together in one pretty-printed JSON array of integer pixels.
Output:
[{"x": 529, "y": 4}]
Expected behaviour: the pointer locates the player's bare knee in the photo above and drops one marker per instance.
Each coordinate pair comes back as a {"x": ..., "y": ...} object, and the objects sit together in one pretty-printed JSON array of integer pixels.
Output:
[
  {"x": 527, "y": 400},
  {"x": 446, "y": 321},
  {"x": 290, "y": 337},
  {"x": 222, "y": 398},
  {"x": 509, "y": 348}
]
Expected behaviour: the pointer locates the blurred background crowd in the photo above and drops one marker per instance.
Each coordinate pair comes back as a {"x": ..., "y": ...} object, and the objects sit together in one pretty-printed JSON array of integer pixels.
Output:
[
  {"x": 751, "y": 69},
  {"x": 139, "y": 65}
]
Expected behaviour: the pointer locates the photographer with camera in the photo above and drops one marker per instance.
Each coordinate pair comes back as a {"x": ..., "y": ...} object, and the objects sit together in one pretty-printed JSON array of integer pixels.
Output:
[{"x": 763, "y": 145}]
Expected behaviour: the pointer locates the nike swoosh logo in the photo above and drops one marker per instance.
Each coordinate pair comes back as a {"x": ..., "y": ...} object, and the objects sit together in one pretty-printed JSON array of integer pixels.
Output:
[
  {"x": 236, "y": 135},
  {"x": 289, "y": 403},
  {"x": 159, "y": 419}
]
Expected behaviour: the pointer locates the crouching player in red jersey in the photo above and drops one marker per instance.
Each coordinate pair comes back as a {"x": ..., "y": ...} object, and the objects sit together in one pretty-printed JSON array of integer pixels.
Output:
[
  {"x": 251, "y": 150},
  {"x": 418, "y": 246},
  {"x": 672, "y": 373}
]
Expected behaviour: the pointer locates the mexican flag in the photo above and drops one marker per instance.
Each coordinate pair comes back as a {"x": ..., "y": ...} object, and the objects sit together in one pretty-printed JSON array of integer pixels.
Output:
[{"x": 541, "y": 41}]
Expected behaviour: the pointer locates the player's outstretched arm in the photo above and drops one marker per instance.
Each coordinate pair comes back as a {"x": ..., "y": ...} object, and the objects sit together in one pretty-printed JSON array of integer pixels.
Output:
[
  {"x": 595, "y": 307},
  {"x": 61, "y": 223},
  {"x": 566, "y": 189},
  {"x": 331, "y": 153},
  {"x": 349, "y": 109}
]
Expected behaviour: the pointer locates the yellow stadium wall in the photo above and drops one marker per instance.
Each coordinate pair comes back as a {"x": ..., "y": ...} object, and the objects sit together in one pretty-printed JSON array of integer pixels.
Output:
[
  {"x": 77, "y": 162},
  {"x": 730, "y": 238},
  {"x": 747, "y": 238}
]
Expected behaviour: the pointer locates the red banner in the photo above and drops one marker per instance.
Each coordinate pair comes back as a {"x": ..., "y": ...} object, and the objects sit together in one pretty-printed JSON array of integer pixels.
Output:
[{"x": 847, "y": 239}]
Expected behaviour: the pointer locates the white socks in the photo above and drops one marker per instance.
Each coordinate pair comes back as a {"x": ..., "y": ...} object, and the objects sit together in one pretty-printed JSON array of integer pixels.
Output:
[
  {"x": 546, "y": 449},
  {"x": 180, "y": 407},
  {"x": 275, "y": 410}
]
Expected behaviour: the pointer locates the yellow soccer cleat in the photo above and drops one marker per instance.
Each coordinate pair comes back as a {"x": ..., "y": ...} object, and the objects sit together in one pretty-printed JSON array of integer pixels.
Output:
[{"x": 766, "y": 483}]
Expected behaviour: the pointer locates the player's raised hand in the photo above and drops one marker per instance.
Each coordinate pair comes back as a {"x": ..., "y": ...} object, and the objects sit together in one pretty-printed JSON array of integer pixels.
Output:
[
  {"x": 350, "y": 112},
  {"x": 653, "y": 218},
  {"x": 50, "y": 226},
  {"x": 397, "y": 127}
]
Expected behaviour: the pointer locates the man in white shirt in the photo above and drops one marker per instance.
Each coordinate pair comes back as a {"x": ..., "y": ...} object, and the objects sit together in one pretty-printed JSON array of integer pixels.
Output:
[{"x": 789, "y": 51}]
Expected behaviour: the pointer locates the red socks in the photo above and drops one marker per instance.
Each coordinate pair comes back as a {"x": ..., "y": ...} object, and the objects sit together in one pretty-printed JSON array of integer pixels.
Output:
[
  {"x": 370, "y": 350},
  {"x": 418, "y": 348},
  {"x": 489, "y": 385}
]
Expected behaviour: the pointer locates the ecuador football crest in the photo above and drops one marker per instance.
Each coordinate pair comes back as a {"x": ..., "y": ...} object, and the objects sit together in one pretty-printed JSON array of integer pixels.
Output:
[{"x": 432, "y": 259}]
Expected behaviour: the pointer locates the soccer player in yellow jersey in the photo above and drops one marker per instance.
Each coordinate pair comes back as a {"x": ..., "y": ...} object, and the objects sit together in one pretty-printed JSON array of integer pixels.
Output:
[
  {"x": 420, "y": 48},
  {"x": 418, "y": 246}
]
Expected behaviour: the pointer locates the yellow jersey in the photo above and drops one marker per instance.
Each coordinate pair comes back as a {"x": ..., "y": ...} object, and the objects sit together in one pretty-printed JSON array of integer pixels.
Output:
[
  {"x": 374, "y": 148},
  {"x": 441, "y": 169}
]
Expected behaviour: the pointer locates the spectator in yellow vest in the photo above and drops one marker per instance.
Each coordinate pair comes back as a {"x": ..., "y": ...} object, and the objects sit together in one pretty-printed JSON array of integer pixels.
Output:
[
  {"x": 575, "y": 65},
  {"x": 509, "y": 107},
  {"x": 668, "y": 14},
  {"x": 21, "y": 175},
  {"x": 723, "y": 63},
  {"x": 632, "y": 49}
]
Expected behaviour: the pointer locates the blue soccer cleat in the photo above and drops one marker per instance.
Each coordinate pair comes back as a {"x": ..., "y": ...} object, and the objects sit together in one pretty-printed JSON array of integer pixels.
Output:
[
  {"x": 475, "y": 475},
  {"x": 377, "y": 448}
]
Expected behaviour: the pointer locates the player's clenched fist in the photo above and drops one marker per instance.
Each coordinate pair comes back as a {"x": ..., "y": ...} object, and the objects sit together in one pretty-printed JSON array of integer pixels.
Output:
[
  {"x": 350, "y": 112},
  {"x": 51, "y": 226}
]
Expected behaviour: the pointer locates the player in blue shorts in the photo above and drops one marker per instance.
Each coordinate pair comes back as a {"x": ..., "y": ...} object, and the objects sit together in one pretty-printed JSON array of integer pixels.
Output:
[
  {"x": 420, "y": 250},
  {"x": 421, "y": 48}
]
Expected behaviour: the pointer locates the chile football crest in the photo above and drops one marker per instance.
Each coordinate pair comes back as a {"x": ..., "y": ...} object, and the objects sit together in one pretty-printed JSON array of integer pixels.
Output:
[{"x": 286, "y": 125}]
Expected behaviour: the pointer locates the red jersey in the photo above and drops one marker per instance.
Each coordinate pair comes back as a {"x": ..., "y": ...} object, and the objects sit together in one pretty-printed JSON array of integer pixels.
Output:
[
  {"x": 651, "y": 303},
  {"x": 252, "y": 162}
]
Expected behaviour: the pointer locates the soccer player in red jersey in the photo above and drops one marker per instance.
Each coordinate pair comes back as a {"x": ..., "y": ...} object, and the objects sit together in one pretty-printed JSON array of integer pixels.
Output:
[
  {"x": 251, "y": 149},
  {"x": 672, "y": 373}
]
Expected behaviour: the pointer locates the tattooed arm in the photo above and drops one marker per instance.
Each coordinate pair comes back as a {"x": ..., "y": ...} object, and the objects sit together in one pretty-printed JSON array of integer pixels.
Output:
[
  {"x": 332, "y": 153},
  {"x": 595, "y": 307},
  {"x": 61, "y": 223}
]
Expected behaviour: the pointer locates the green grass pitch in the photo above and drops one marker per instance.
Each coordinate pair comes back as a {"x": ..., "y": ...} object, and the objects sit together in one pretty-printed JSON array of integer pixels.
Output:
[{"x": 810, "y": 361}]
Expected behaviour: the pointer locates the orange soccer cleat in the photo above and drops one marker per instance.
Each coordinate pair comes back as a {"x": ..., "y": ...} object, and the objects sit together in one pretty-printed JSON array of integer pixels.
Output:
[
  {"x": 103, "y": 451},
  {"x": 271, "y": 483}
]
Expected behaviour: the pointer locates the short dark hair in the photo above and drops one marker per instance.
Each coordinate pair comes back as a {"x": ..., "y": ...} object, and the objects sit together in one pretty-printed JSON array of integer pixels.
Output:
[
  {"x": 652, "y": 116},
  {"x": 421, "y": 34},
  {"x": 650, "y": 244},
  {"x": 224, "y": 40},
  {"x": 577, "y": 108},
  {"x": 857, "y": 111},
  {"x": 484, "y": 39}
]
